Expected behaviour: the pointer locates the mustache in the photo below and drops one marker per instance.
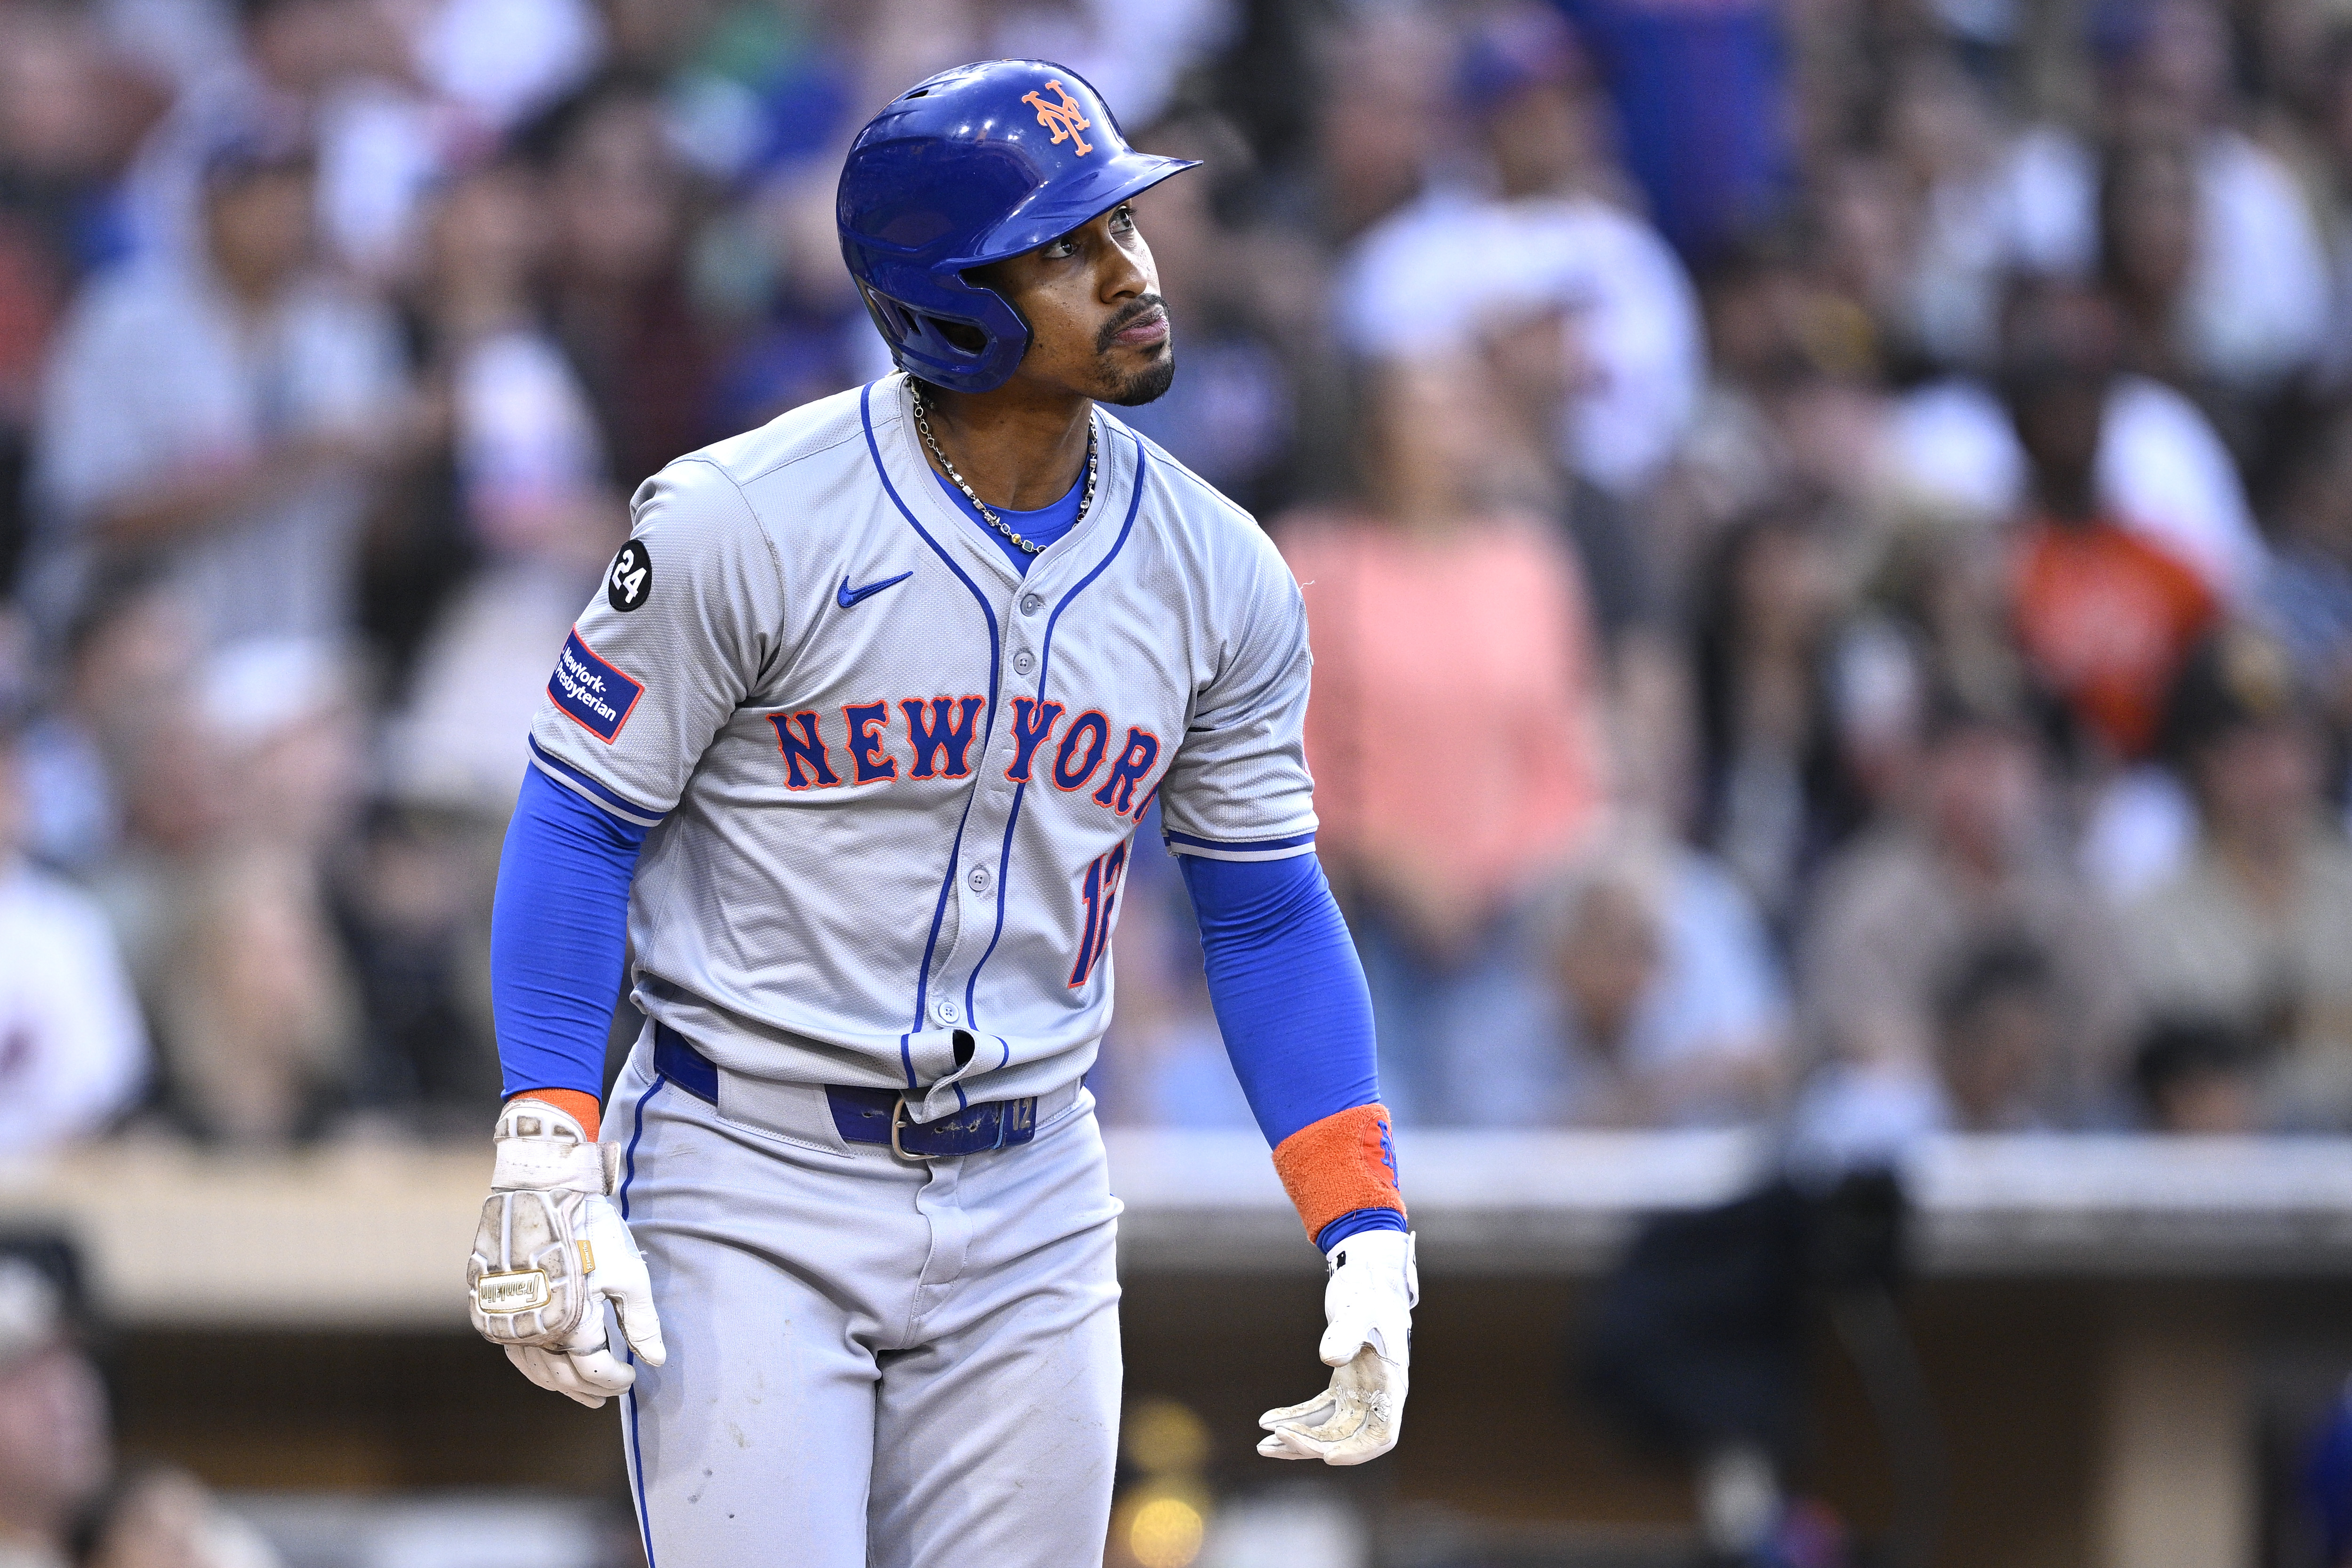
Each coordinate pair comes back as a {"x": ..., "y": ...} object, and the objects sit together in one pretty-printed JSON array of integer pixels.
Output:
[{"x": 1139, "y": 307}]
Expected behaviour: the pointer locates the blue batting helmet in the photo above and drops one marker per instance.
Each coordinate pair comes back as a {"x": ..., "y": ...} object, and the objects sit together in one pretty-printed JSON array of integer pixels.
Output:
[{"x": 970, "y": 166}]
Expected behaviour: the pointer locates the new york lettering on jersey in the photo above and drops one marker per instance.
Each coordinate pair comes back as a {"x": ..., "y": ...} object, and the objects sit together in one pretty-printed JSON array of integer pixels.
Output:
[{"x": 896, "y": 780}]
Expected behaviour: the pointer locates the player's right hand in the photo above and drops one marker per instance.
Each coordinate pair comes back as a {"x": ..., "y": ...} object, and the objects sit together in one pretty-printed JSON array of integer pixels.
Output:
[{"x": 551, "y": 1250}]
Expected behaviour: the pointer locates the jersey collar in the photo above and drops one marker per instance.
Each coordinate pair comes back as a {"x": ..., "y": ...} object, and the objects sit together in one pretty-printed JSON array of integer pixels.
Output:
[{"x": 919, "y": 490}]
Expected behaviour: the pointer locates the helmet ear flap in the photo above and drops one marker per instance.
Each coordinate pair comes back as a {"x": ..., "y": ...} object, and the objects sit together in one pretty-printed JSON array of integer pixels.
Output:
[{"x": 962, "y": 353}]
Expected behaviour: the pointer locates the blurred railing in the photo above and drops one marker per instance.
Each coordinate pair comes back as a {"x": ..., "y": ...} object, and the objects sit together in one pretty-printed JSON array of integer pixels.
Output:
[{"x": 374, "y": 1236}]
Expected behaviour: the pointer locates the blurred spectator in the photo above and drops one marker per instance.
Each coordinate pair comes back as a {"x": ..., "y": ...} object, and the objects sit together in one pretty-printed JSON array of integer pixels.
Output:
[
  {"x": 2106, "y": 616},
  {"x": 512, "y": 467},
  {"x": 322, "y": 71},
  {"x": 2250, "y": 305},
  {"x": 411, "y": 904},
  {"x": 2307, "y": 596},
  {"x": 281, "y": 712},
  {"x": 1773, "y": 796},
  {"x": 531, "y": 471},
  {"x": 1759, "y": 303},
  {"x": 1998, "y": 1033},
  {"x": 66, "y": 119},
  {"x": 1469, "y": 621},
  {"x": 1534, "y": 359},
  {"x": 54, "y": 1436},
  {"x": 153, "y": 1516},
  {"x": 73, "y": 1049},
  {"x": 617, "y": 197},
  {"x": 2147, "y": 247},
  {"x": 1994, "y": 201},
  {"x": 1135, "y": 56},
  {"x": 2000, "y": 1047},
  {"x": 1534, "y": 363},
  {"x": 2250, "y": 934},
  {"x": 56, "y": 1504},
  {"x": 1863, "y": 218},
  {"x": 2195, "y": 1075},
  {"x": 255, "y": 1010},
  {"x": 1963, "y": 868},
  {"x": 765, "y": 109},
  {"x": 2329, "y": 151},
  {"x": 1377, "y": 140},
  {"x": 1230, "y": 415},
  {"x": 499, "y": 61},
  {"x": 1667, "y": 1007},
  {"x": 224, "y": 413},
  {"x": 1551, "y": 233},
  {"x": 2160, "y": 469},
  {"x": 120, "y": 667},
  {"x": 499, "y": 529},
  {"x": 240, "y": 963},
  {"x": 174, "y": 786},
  {"x": 1699, "y": 96}
]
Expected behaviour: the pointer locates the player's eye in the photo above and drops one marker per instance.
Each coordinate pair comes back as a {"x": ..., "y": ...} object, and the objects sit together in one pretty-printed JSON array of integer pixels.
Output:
[
  {"x": 1122, "y": 217},
  {"x": 1067, "y": 246}
]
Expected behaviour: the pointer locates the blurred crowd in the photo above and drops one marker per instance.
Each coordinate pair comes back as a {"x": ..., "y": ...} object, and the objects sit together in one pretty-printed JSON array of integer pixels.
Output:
[
  {"x": 66, "y": 1500},
  {"x": 1826, "y": 524}
]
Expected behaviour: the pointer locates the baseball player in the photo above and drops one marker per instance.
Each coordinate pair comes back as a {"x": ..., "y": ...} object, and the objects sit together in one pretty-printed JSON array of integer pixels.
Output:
[{"x": 851, "y": 749}]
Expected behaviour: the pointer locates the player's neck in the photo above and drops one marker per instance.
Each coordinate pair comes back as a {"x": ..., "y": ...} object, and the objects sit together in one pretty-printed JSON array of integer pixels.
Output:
[{"x": 1019, "y": 449}]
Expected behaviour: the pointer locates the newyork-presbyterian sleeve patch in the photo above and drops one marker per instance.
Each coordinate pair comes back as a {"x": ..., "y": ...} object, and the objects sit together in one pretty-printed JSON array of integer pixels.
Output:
[{"x": 598, "y": 697}]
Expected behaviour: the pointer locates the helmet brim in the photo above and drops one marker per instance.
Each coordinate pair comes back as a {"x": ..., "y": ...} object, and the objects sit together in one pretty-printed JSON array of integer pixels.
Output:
[{"x": 1071, "y": 203}]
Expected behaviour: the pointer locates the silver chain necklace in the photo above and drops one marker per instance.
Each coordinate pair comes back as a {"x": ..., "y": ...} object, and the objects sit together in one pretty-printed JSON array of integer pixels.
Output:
[{"x": 1027, "y": 547}]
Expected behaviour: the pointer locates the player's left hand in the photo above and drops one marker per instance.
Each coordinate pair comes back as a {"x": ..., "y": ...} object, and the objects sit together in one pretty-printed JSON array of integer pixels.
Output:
[{"x": 1368, "y": 1303}]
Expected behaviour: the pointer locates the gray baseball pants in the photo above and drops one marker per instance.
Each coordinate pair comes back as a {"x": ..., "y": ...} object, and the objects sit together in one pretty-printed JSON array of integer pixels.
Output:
[{"x": 874, "y": 1363}]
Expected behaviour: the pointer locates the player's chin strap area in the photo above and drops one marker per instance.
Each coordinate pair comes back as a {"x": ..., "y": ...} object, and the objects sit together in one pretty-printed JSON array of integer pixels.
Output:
[
  {"x": 551, "y": 1250},
  {"x": 1372, "y": 1287}
]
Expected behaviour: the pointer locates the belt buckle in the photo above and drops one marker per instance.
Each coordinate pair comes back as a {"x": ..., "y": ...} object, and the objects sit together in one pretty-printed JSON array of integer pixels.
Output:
[{"x": 899, "y": 1120}]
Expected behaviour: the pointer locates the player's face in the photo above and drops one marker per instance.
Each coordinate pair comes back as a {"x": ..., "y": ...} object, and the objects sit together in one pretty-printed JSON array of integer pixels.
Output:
[{"x": 1098, "y": 326}]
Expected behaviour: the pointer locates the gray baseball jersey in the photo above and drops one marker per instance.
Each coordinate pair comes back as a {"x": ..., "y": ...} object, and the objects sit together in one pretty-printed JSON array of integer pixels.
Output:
[{"x": 894, "y": 783}]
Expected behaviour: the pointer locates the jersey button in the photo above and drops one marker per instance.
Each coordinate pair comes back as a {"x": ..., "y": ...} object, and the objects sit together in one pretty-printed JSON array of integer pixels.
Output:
[
  {"x": 1024, "y": 662},
  {"x": 1031, "y": 605},
  {"x": 946, "y": 1010},
  {"x": 980, "y": 878}
]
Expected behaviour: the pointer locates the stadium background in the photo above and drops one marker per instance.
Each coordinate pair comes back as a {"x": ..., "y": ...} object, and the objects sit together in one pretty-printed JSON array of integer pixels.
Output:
[{"x": 1830, "y": 527}]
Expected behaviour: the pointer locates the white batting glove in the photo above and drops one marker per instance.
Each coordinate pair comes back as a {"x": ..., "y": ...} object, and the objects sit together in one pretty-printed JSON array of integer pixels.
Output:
[
  {"x": 551, "y": 1251},
  {"x": 1367, "y": 1302}
]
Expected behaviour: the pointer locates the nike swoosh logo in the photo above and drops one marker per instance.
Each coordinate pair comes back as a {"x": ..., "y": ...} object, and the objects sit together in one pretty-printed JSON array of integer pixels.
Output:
[{"x": 848, "y": 597}]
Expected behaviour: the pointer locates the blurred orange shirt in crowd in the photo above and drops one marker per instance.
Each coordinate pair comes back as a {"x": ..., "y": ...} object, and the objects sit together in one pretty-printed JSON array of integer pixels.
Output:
[
  {"x": 2106, "y": 619},
  {"x": 1452, "y": 730}
]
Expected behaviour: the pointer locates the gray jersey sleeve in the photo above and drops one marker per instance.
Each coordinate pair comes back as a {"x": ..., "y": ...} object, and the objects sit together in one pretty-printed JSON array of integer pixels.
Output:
[
  {"x": 681, "y": 630},
  {"x": 1239, "y": 788}
]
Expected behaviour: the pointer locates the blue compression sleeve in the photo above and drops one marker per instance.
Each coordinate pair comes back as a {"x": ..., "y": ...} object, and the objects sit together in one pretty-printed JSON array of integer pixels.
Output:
[
  {"x": 559, "y": 937},
  {"x": 1290, "y": 1000}
]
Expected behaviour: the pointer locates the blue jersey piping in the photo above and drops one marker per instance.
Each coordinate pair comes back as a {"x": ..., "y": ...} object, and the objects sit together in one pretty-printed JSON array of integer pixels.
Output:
[
  {"x": 988, "y": 731},
  {"x": 629, "y": 1399},
  {"x": 1044, "y": 668}
]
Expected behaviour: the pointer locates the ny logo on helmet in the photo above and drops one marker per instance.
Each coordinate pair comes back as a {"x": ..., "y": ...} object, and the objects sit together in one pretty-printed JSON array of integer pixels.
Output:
[{"x": 1062, "y": 118}]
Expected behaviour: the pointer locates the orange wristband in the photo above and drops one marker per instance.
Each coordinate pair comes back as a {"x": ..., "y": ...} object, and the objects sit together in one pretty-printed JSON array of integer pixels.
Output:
[
  {"x": 1343, "y": 1163},
  {"x": 581, "y": 1107}
]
